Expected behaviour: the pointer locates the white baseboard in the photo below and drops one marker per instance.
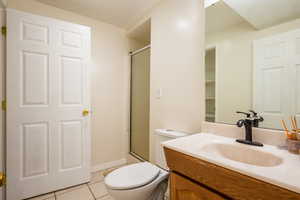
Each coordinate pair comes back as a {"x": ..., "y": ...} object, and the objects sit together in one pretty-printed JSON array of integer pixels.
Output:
[{"x": 108, "y": 165}]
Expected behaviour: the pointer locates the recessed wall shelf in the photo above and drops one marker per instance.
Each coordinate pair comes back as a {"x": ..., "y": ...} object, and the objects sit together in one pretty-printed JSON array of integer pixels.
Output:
[
  {"x": 210, "y": 81},
  {"x": 210, "y": 84},
  {"x": 210, "y": 115}
]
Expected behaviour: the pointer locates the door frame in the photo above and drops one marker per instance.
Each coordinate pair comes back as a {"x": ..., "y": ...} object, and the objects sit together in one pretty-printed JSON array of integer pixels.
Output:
[{"x": 2, "y": 97}]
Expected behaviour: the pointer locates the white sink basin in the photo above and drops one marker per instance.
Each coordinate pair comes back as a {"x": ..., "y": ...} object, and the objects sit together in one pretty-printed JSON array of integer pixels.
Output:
[
  {"x": 268, "y": 163},
  {"x": 242, "y": 154}
]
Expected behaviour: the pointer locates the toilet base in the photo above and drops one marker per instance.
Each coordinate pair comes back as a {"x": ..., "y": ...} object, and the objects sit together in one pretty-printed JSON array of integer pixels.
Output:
[
  {"x": 160, "y": 191},
  {"x": 152, "y": 191}
]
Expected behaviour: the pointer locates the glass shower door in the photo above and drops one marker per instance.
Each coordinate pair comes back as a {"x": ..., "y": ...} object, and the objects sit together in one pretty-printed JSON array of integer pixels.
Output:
[{"x": 140, "y": 100}]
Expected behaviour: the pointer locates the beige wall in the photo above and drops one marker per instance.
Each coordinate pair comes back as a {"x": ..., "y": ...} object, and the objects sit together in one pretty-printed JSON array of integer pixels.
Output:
[
  {"x": 177, "y": 66},
  {"x": 234, "y": 57},
  {"x": 110, "y": 48}
]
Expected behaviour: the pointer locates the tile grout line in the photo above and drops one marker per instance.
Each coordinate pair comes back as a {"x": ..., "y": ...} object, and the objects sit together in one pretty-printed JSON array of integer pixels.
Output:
[
  {"x": 99, "y": 198},
  {"x": 55, "y": 195},
  {"x": 91, "y": 191}
]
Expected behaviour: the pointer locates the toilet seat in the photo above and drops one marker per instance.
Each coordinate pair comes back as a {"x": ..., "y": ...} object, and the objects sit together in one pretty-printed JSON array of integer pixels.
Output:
[{"x": 132, "y": 176}]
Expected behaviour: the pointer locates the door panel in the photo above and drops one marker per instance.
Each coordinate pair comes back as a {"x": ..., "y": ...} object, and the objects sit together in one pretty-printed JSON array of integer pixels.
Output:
[
  {"x": 71, "y": 86},
  {"x": 71, "y": 145},
  {"x": 71, "y": 39},
  {"x": 272, "y": 89},
  {"x": 35, "y": 143},
  {"x": 35, "y": 32},
  {"x": 35, "y": 78},
  {"x": 48, "y": 137}
]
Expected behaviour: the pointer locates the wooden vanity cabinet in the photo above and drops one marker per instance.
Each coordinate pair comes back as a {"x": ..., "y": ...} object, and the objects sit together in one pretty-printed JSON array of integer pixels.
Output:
[
  {"x": 196, "y": 179},
  {"x": 185, "y": 189}
]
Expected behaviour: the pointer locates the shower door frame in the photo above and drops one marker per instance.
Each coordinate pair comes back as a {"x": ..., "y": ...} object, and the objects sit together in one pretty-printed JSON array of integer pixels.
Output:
[{"x": 130, "y": 103}]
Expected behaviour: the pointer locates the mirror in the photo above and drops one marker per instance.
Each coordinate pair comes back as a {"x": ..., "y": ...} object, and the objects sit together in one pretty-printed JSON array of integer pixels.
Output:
[{"x": 253, "y": 60}]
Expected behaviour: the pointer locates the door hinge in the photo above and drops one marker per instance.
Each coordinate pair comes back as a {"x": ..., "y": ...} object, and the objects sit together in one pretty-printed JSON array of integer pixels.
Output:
[
  {"x": 2, "y": 179},
  {"x": 4, "y": 30},
  {"x": 3, "y": 105}
]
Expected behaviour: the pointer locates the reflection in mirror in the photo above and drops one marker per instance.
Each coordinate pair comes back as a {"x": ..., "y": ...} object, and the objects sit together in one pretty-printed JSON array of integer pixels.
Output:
[
  {"x": 253, "y": 60},
  {"x": 210, "y": 77}
]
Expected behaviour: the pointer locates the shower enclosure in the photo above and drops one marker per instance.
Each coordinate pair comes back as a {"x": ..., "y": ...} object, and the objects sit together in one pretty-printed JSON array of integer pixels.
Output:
[{"x": 140, "y": 100}]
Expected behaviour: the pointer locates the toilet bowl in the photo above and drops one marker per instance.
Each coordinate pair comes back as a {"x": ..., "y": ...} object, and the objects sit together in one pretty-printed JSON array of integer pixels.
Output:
[{"x": 142, "y": 181}]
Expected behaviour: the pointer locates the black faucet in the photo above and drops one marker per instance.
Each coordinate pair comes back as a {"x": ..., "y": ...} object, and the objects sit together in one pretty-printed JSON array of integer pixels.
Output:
[
  {"x": 256, "y": 118},
  {"x": 249, "y": 122}
]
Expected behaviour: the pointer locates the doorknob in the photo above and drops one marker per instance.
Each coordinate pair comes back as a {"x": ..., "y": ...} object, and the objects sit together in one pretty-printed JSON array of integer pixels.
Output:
[
  {"x": 2, "y": 179},
  {"x": 85, "y": 112}
]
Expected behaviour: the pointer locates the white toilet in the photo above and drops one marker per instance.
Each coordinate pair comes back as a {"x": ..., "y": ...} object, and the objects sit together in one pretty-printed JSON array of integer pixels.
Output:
[{"x": 143, "y": 181}]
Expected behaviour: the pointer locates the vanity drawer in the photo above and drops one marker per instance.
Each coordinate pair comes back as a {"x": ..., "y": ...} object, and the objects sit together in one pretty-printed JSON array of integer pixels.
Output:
[
  {"x": 184, "y": 189},
  {"x": 230, "y": 183}
]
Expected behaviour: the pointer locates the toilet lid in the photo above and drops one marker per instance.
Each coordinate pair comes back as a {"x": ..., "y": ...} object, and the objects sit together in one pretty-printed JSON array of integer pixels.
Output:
[{"x": 132, "y": 176}]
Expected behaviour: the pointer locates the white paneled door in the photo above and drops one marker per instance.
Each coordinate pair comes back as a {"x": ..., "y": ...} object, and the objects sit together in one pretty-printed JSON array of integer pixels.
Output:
[
  {"x": 271, "y": 72},
  {"x": 277, "y": 78},
  {"x": 48, "y": 137},
  {"x": 295, "y": 67}
]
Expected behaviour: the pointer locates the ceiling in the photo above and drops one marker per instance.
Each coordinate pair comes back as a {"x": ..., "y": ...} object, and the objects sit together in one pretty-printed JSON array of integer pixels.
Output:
[
  {"x": 220, "y": 17},
  {"x": 266, "y": 13},
  {"x": 208, "y": 3},
  {"x": 259, "y": 14},
  {"x": 121, "y": 13}
]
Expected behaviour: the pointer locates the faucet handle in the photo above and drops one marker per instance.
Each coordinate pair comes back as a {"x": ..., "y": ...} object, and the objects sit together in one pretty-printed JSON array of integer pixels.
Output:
[
  {"x": 240, "y": 123},
  {"x": 256, "y": 116},
  {"x": 260, "y": 119},
  {"x": 254, "y": 113},
  {"x": 248, "y": 115}
]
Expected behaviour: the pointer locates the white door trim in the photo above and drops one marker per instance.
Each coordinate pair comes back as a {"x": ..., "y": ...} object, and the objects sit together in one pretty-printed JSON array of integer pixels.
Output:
[{"x": 2, "y": 97}]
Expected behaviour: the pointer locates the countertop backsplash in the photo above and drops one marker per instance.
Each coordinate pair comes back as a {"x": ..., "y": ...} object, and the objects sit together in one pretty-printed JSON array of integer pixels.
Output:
[{"x": 265, "y": 136}]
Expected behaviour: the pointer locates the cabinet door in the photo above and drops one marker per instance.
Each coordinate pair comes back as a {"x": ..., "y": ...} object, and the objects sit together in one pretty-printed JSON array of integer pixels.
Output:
[{"x": 184, "y": 189}]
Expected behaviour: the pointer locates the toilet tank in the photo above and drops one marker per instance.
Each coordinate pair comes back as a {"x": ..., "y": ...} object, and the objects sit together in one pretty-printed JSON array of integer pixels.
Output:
[{"x": 162, "y": 135}]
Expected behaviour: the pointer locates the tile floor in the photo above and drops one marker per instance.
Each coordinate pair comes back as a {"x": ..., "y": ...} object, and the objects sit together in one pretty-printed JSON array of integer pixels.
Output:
[{"x": 94, "y": 190}]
